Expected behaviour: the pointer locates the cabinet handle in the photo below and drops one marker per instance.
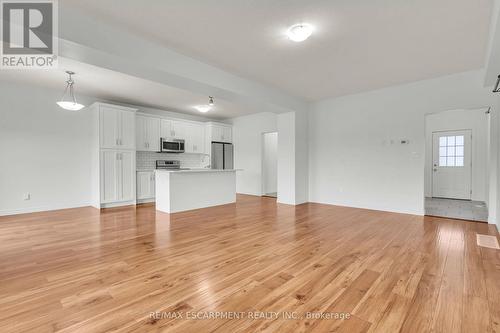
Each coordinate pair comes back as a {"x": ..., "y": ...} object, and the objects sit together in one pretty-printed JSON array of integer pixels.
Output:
[{"x": 117, "y": 142}]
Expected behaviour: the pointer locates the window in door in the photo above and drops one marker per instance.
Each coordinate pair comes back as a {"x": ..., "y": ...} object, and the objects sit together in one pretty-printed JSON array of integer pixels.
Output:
[{"x": 451, "y": 151}]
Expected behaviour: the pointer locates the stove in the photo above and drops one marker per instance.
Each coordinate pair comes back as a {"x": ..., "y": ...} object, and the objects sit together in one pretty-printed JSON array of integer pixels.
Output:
[{"x": 168, "y": 164}]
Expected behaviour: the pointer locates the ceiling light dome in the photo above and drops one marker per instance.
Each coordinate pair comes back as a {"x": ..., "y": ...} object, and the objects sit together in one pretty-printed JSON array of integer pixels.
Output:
[
  {"x": 300, "y": 32},
  {"x": 69, "y": 102},
  {"x": 203, "y": 108}
]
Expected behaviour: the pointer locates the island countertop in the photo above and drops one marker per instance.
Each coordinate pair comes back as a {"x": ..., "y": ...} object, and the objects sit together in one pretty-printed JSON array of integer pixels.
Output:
[
  {"x": 181, "y": 190},
  {"x": 197, "y": 170}
]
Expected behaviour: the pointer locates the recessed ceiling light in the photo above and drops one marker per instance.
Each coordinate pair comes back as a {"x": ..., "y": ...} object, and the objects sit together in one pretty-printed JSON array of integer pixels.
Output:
[
  {"x": 203, "y": 108},
  {"x": 299, "y": 32}
]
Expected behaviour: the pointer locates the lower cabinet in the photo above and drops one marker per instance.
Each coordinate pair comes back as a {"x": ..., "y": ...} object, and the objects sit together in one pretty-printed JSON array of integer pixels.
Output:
[
  {"x": 145, "y": 185},
  {"x": 117, "y": 176}
]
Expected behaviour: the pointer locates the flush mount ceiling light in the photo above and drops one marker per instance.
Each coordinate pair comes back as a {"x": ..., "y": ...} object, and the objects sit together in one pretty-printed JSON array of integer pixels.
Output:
[
  {"x": 69, "y": 102},
  {"x": 206, "y": 108},
  {"x": 203, "y": 108},
  {"x": 299, "y": 32},
  {"x": 497, "y": 86}
]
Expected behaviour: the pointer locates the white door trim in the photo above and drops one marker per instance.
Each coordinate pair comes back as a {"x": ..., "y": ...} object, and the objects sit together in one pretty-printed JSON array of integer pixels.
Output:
[{"x": 437, "y": 170}]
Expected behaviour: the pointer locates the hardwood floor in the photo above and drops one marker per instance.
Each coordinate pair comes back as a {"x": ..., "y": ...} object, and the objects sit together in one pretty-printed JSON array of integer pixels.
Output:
[{"x": 81, "y": 270}]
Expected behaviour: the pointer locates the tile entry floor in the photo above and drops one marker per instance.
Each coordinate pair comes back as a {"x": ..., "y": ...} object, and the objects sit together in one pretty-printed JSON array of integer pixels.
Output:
[{"x": 457, "y": 209}]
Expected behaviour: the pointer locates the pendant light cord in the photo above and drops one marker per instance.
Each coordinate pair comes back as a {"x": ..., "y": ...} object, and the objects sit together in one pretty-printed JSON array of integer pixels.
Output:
[{"x": 69, "y": 84}]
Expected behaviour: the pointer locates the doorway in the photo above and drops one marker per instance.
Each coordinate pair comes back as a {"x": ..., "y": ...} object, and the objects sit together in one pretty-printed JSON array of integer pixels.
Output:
[
  {"x": 451, "y": 169},
  {"x": 457, "y": 164},
  {"x": 270, "y": 164}
]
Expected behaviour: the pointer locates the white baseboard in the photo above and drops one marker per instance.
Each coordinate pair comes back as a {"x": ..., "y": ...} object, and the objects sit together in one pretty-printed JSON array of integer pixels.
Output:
[
  {"x": 141, "y": 201},
  {"x": 118, "y": 204},
  {"x": 382, "y": 209},
  {"x": 42, "y": 208}
]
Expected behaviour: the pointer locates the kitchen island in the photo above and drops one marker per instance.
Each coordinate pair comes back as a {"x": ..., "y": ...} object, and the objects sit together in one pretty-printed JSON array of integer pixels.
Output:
[{"x": 181, "y": 190}]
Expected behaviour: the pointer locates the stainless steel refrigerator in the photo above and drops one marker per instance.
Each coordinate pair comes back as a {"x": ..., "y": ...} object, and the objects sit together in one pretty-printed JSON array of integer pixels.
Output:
[{"x": 222, "y": 155}]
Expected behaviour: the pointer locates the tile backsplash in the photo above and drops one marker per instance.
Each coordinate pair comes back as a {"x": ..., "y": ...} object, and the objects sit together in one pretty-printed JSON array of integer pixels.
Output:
[{"x": 147, "y": 159}]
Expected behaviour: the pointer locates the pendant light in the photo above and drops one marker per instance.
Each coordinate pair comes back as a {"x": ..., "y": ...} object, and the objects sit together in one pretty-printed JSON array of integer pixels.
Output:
[
  {"x": 497, "y": 86},
  {"x": 69, "y": 102}
]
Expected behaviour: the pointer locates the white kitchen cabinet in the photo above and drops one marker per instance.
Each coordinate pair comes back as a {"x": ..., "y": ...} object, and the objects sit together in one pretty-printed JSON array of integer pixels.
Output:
[
  {"x": 219, "y": 133},
  {"x": 113, "y": 155},
  {"x": 166, "y": 128},
  {"x": 175, "y": 129},
  {"x": 127, "y": 130},
  {"x": 147, "y": 133},
  {"x": 109, "y": 129},
  {"x": 109, "y": 176},
  {"x": 116, "y": 127},
  {"x": 195, "y": 138},
  {"x": 145, "y": 185},
  {"x": 179, "y": 129},
  {"x": 192, "y": 132},
  {"x": 127, "y": 176},
  {"x": 117, "y": 176}
]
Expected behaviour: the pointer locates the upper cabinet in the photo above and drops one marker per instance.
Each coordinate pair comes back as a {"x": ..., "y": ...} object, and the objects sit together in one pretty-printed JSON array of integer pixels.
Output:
[
  {"x": 147, "y": 133},
  {"x": 192, "y": 133},
  {"x": 175, "y": 129},
  {"x": 219, "y": 133},
  {"x": 165, "y": 128},
  {"x": 195, "y": 138},
  {"x": 116, "y": 127}
]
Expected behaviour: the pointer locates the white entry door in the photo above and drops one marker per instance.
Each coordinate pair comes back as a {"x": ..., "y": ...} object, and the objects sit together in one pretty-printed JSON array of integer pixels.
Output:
[{"x": 451, "y": 166}]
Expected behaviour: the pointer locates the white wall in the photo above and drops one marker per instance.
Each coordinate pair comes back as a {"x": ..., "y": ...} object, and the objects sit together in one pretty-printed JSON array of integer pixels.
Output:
[
  {"x": 44, "y": 150},
  {"x": 270, "y": 162},
  {"x": 475, "y": 120},
  {"x": 495, "y": 178},
  {"x": 301, "y": 157},
  {"x": 493, "y": 164},
  {"x": 352, "y": 160},
  {"x": 247, "y": 139},
  {"x": 286, "y": 158}
]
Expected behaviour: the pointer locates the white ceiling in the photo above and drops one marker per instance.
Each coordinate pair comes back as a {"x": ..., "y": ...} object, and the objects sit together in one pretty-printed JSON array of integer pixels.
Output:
[
  {"x": 358, "y": 45},
  {"x": 114, "y": 86}
]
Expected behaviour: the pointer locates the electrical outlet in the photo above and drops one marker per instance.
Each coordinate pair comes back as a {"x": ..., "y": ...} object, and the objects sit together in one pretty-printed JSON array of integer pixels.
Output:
[{"x": 27, "y": 196}]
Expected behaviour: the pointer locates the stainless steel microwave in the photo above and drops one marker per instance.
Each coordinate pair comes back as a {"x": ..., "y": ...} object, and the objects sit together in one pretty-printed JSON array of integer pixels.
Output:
[{"x": 169, "y": 145}]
